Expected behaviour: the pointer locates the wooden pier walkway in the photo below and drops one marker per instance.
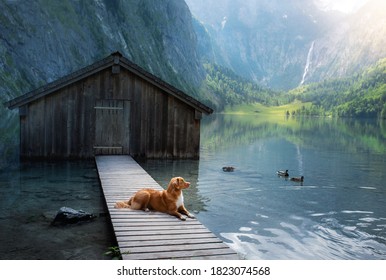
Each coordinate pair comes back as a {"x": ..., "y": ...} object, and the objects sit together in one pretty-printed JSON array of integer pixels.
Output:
[{"x": 152, "y": 235}]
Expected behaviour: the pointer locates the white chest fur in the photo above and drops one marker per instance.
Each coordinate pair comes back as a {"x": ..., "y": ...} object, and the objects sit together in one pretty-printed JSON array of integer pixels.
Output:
[{"x": 180, "y": 200}]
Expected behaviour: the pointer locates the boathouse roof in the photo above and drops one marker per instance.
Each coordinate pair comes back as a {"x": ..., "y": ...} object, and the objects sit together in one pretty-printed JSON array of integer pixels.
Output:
[{"x": 115, "y": 58}]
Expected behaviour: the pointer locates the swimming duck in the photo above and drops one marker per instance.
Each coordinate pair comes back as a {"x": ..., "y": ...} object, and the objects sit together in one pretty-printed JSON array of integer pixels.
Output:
[
  {"x": 283, "y": 173},
  {"x": 228, "y": 169},
  {"x": 298, "y": 179}
]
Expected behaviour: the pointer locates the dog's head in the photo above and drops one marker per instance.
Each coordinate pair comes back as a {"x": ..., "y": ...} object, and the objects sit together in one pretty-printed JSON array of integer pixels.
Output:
[{"x": 178, "y": 183}]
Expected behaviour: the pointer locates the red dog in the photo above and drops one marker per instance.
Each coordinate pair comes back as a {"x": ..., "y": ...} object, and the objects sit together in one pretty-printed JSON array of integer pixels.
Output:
[{"x": 169, "y": 201}]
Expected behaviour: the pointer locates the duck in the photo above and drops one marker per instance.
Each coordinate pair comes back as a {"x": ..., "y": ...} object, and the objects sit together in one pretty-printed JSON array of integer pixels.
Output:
[
  {"x": 283, "y": 173},
  {"x": 228, "y": 169},
  {"x": 298, "y": 179}
]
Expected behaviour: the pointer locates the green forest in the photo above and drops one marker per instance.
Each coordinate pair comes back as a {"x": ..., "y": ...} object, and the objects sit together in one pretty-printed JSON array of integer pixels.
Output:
[
  {"x": 361, "y": 95},
  {"x": 231, "y": 89}
]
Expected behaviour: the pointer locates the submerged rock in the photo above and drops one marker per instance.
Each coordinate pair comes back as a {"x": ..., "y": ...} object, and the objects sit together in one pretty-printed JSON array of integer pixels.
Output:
[{"x": 68, "y": 215}]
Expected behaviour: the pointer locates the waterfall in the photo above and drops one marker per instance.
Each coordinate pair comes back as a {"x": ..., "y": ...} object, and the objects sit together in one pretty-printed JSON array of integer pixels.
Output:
[{"x": 306, "y": 68}]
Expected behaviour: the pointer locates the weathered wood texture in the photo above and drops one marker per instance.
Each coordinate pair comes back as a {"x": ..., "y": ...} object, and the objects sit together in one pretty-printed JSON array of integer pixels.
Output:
[
  {"x": 152, "y": 235},
  {"x": 111, "y": 110}
]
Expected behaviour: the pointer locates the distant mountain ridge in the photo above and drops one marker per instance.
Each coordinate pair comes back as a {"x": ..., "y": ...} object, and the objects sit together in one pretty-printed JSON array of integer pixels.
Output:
[
  {"x": 357, "y": 42},
  {"x": 278, "y": 44},
  {"x": 282, "y": 44}
]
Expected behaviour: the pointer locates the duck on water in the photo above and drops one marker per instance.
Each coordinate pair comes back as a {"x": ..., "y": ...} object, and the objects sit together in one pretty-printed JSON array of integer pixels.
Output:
[
  {"x": 297, "y": 179},
  {"x": 228, "y": 169},
  {"x": 283, "y": 173}
]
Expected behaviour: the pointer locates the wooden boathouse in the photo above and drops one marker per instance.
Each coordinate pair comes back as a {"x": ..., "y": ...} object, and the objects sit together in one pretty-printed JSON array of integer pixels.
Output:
[
  {"x": 110, "y": 107},
  {"x": 112, "y": 111}
]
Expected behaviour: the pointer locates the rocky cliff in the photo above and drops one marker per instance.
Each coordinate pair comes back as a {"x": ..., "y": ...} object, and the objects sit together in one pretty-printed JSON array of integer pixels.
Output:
[
  {"x": 266, "y": 41},
  {"x": 282, "y": 44},
  {"x": 355, "y": 42},
  {"x": 43, "y": 40}
]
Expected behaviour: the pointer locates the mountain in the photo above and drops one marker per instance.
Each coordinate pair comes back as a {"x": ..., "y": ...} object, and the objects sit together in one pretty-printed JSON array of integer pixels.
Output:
[
  {"x": 279, "y": 44},
  {"x": 356, "y": 42},
  {"x": 43, "y": 40},
  {"x": 229, "y": 88},
  {"x": 282, "y": 44},
  {"x": 362, "y": 95}
]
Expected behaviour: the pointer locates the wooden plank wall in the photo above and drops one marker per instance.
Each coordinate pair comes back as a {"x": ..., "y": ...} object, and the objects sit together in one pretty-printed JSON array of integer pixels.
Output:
[{"x": 63, "y": 123}]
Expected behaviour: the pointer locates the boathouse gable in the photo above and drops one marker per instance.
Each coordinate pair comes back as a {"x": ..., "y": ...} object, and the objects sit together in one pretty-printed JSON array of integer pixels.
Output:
[{"x": 110, "y": 107}]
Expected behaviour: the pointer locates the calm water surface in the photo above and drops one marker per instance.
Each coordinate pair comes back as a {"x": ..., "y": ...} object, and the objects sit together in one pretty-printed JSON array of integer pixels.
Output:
[
  {"x": 30, "y": 197},
  {"x": 338, "y": 212}
]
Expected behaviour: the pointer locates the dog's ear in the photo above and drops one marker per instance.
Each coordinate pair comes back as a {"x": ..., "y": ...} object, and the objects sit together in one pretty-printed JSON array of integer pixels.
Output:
[
  {"x": 173, "y": 184},
  {"x": 177, "y": 183}
]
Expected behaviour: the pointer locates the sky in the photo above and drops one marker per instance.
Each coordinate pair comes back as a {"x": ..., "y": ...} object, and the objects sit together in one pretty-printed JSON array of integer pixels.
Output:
[{"x": 345, "y": 6}]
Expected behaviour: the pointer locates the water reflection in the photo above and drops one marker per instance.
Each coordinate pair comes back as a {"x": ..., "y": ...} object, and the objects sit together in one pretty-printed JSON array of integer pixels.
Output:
[{"x": 351, "y": 134}]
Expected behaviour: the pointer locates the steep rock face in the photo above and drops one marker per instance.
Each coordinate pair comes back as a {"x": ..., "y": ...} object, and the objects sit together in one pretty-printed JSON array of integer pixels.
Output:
[
  {"x": 356, "y": 42},
  {"x": 282, "y": 44},
  {"x": 266, "y": 40},
  {"x": 43, "y": 40}
]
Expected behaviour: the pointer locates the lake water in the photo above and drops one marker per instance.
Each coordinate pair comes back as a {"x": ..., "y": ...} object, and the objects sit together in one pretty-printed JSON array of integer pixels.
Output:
[
  {"x": 30, "y": 197},
  {"x": 338, "y": 212}
]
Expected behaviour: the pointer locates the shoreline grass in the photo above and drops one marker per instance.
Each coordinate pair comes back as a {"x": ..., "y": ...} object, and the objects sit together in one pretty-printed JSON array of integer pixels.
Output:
[
  {"x": 258, "y": 108},
  {"x": 257, "y": 114}
]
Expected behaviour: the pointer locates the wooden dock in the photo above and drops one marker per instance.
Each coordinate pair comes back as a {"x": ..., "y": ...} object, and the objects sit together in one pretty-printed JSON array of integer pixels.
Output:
[{"x": 152, "y": 235}]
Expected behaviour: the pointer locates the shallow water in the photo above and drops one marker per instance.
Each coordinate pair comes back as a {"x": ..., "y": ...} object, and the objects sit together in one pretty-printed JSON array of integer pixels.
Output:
[
  {"x": 30, "y": 197},
  {"x": 338, "y": 212}
]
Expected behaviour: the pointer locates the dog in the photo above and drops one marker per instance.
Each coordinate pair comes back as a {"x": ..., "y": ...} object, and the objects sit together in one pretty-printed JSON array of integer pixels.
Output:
[{"x": 170, "y": 201}]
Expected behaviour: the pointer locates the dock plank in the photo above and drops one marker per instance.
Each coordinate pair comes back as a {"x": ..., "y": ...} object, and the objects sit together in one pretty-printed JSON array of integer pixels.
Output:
[{"x": 152, "y": 235}]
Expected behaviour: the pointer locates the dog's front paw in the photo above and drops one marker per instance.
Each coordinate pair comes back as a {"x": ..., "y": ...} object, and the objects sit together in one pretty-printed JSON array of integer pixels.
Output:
[
  {"x": 121, "y": 204},
  {"x": 182, "y": 218},
  {"x": 191, "y": 216}
]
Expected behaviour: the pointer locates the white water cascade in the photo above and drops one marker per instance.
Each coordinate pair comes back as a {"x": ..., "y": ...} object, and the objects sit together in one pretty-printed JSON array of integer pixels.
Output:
[{"x": 307, "y": 67}]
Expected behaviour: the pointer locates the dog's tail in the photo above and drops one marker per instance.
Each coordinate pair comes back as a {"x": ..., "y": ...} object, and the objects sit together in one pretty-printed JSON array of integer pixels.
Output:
[{"x": 123, "y": 204}]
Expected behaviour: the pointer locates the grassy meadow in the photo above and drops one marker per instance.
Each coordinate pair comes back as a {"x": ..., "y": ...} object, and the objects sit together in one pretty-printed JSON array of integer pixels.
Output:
[{"x": 256, "y": 113}]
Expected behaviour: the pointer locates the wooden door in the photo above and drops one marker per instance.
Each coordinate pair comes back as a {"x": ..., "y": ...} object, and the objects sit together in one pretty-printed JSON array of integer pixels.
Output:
[{"x": 112, "y": 126}]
